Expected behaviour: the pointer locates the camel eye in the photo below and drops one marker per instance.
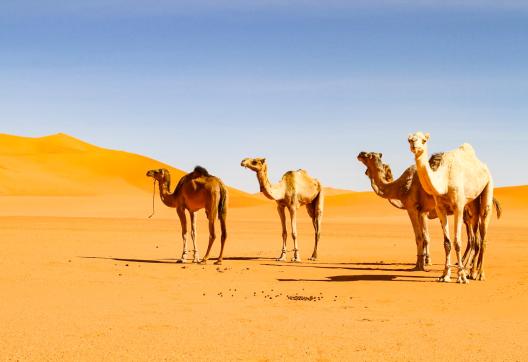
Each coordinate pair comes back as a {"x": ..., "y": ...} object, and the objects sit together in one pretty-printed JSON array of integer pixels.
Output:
[{"x": 254, "y": 162}]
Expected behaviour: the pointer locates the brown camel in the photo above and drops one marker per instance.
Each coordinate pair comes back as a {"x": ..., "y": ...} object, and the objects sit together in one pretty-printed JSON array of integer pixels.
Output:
[
  {"x": 460, "y": 178},
  {"x": 407, "y": 193},
  {"x": 195, "y": 191},
  {"x": 295, "y": 189}
]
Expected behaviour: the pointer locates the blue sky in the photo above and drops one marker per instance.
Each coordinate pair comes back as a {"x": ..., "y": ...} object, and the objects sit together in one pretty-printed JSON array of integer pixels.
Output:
[{"x": 306, "y": 84}]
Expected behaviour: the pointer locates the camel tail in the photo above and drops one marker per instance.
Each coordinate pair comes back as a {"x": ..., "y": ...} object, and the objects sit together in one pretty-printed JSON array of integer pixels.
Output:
[
  {"x": 498, "y": 207},
  {"x": 222, "y": 204}
]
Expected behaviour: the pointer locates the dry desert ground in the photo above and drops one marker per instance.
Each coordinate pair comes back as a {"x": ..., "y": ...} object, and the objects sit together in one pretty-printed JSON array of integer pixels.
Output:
[{"x": 86, "y": 276}]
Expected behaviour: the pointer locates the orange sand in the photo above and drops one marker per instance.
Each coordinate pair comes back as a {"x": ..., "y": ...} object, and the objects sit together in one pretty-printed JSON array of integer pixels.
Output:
[{"x": 85, "y": 276}]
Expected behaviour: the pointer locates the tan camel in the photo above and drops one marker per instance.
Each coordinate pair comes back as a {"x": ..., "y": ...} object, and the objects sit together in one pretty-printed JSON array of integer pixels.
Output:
[
  {"x": 195, "y": 191},
  {"x": 407, "y": 193},
  {"x": 295, "y": 189},
  {"x": 460, "y": 178}
]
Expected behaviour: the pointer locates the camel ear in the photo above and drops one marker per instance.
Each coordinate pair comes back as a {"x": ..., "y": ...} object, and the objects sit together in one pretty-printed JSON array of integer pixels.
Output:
[
  {"x": 380, "y": 155},
  {"x": 427, "y": 136},
  {"x": 263, "y": 160},
  {"x": 409, "y": 137}
]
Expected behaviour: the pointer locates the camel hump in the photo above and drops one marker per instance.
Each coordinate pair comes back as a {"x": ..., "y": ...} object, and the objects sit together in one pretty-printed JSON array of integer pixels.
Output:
[
  {"x": 466, "y": 147},
  {"x": 201, "y": 171},
  {"x": 303, "y": 171}
]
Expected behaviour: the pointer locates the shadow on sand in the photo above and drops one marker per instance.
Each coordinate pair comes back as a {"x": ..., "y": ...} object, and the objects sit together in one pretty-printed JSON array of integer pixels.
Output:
[
  {"x": 375, "y": 266},
  {"x": 364, "y": 277},
  {"x": 154, "y": 261},
  {"x": 246, "y": 258},
  {"x": 172, "y": 261}
]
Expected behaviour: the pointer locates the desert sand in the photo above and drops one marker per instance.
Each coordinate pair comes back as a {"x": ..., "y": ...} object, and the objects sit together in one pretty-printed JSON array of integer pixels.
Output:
[{"x": 86, "y": 276}]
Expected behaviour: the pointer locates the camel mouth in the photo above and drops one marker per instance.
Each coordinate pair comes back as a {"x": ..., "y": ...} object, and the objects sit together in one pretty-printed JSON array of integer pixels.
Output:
[
  {"x": 415, "y": 149},
  {"x": 362, "y": 157}
]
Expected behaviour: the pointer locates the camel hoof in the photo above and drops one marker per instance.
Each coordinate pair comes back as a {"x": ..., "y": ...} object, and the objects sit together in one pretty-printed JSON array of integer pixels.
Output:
[
  {"x": 203, "y": 262},
  {"x": 182, "y": 261},
  {"x": 296, "y": 260},
  {"x": 481, "y": 277},
  {"x": 281, "y": 258},
  {"x": 218, "y": 262},
  {"x": 444, "y": 279},
  {"x": 418, "y": 268},
  {"x": 428, "y": 261},
  {"x": 312, "y": 258},
  {"x": 474, "y": 275},
  {"x": 462, "y": 279}
]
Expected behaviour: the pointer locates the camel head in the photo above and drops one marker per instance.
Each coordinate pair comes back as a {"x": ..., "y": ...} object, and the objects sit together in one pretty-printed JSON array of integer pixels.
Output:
[
  {"x": 255, "y": 164},
  {"x": 418, "y": 143},
  {"x": 373, "y": 162},
  {"x": 160, "y": 175}
]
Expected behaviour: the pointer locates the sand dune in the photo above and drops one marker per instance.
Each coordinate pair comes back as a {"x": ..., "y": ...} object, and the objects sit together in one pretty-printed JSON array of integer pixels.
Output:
[
  {"x": 61, "y": 165},
  {"x": 85, "y": 180}
]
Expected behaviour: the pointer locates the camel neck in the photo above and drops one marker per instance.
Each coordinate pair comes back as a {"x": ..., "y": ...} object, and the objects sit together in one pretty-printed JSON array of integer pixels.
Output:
[
  {"x": 387, "y": 190},
  {"x": 429, "y": 179},
  {"x": 166, "y": 197},
  {"x": 272, "y": 192}
]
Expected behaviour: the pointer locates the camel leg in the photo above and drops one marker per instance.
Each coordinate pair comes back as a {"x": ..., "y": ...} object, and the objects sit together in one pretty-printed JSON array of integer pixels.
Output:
[
  {"x": 425, "y": 239},
  {"x": 196, "y": 253},
  {"x": 458, "y": 215},
  {"x": 413, "y": 215},
  {"x": 485, "y": 218},
  {"x": 315, "y": 210},
  {"x": 183, "y": 222},
  {"x": 471, "y": 215},
  {"x": 282, "y": 215},
  {"x": 476, "y": 252},
  {"x": 293, "y": 217},
  {"x": 470, "y": 240},
  {"x": 442, "y": 216},
  {"x": 212, "y": 236},
  {"x": 223, "y": 238}
]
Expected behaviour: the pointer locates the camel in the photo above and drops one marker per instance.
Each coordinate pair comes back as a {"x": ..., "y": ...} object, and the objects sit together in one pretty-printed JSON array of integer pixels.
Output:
[
  {"x": 459, "y": 179},
  {"x": 196, "y": 190},
  {"x": 407, "y": 193},
  {"x": 295, "y": 189},
  {"x": 473, "y": 248},
  {"x": 404, "y": 193}
]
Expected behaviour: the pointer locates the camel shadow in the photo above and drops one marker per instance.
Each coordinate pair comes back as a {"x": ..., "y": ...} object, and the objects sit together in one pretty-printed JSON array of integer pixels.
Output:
[
  {"x": 173, "y": 261},
  {"x": 358, "y": 278},
  {"x": 381, "y": 263},
  {"x": 247, "y": 258},
  {"x": 153, "y": 261},
  {"x": 321, "y": 266}
]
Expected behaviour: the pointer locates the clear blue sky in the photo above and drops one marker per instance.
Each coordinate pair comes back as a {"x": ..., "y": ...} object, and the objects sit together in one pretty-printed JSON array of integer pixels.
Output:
[{"x": 307, "y": 84}]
